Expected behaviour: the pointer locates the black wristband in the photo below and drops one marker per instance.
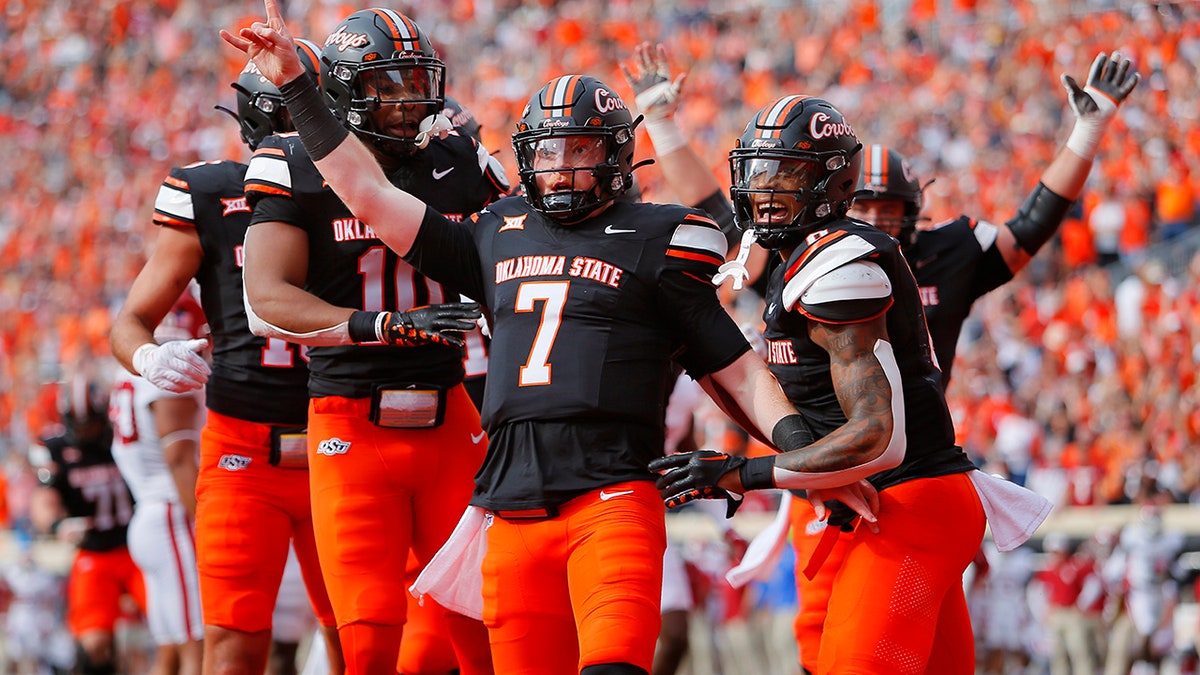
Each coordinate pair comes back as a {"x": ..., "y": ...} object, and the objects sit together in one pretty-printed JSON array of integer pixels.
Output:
[
  {"x": 319, "y": 130},
  {"x": 361, "y": 326},
  {"x": 792, "y": 432},
  {"x": 1039, "y": 218},
  {"x": 758, "y": 473}
]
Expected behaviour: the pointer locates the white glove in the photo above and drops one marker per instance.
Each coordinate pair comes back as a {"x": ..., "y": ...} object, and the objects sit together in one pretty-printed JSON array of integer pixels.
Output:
[
  {"x": 174, "y": 366},
  {"x": 657, "y": 95}
]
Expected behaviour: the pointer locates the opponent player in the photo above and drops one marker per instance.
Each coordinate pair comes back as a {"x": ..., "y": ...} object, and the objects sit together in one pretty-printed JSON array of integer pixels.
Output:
[
  {"x": 155, "y": 445},
  {"x": 252, "y": 487},
  {"x": 393, "y": 436}
]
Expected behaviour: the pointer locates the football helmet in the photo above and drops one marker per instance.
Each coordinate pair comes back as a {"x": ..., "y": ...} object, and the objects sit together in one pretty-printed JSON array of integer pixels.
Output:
[
  {"x": 83, "y": 407},
  {"x": 376, "y": 58},
  {"x": 260, "y": 110},
  {"x": 575, "y": 110},
  {"x": 793, "y": 169},
  {"x": 886, "y": 175}
]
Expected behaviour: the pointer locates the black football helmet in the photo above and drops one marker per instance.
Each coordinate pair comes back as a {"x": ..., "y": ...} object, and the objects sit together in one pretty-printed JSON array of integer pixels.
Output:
[
  {"x": 886, "y": 175},
  {"x": 83, "y": 406},
  {"x": 378, "y": 57},
  {"x": 807, "y": 141},
  {"x": 572, "y": 107},
  {"x": 260, "y": 110}
]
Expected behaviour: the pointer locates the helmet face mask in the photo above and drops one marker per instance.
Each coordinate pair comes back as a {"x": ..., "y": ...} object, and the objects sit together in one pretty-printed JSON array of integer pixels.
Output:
[
  {"x": 793, "y": 169},
  {"x": 574, "y": 148},
  {"x": 382, "y": 79},
  {"x": 886, "y": 179},
  {"x": 260, "y": 109}
]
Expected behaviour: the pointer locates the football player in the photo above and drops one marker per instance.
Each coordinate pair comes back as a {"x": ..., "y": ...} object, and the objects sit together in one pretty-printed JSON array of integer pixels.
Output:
[
  {"x": 589, "y": 297},
  {"x": 394, "y": 439},
  {"x": 954, "y": 263},
  {"x": 155, "y": 445},
  {"x": 84, "y": 501},
  {"x": 252, "y": 486}
]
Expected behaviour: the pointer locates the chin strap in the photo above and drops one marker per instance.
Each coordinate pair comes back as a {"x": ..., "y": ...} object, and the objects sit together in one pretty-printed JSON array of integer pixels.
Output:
[
  {"x": 434, "y": 125},
  {"x": 736, "y": 268}
]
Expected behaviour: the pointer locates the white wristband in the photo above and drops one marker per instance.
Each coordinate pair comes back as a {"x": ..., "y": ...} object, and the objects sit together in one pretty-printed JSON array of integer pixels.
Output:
[
  {"x": 140, "y": 355},
  {"x": 665, "y": 135},
  {"x": 1089, "y": 130}
]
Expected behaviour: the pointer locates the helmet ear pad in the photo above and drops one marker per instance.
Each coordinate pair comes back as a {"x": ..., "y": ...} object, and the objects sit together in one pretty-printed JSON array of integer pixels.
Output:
[
  {"x": 797, "y": 129},
  {"x": 574, "y": 106}
]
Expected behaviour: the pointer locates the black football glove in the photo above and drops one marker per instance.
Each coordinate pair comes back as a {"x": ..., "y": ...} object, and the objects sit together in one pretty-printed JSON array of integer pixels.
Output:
[
  {"x": 432, "y": 324},
  {"x": 694, "y": 475},
  {"x": 1109, "y": 83}
]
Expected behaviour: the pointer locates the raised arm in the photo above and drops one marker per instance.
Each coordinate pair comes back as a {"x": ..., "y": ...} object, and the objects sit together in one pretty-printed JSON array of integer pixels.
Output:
[
  {"x": 342, "y": 159},
  {"x": 1110, "y": 81}
]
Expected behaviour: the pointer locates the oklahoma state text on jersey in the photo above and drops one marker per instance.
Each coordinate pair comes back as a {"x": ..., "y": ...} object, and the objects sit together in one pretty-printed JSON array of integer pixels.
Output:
[
  {"x": 955, "y": 263},
  {"x": 350, "y": 267},
  {"x": 585, "y": 321},
  {"x": 802, "y": 366},
  {"x": 254, "y": 379}
]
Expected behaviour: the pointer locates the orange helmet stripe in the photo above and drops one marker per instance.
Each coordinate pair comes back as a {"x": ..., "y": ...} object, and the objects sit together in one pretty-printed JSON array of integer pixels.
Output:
[
  {"x": 402, "y": 28},
  {"x": 875, "y": 165},
  {"x": 558, "y": 95},
  {"x": 776, "y": 115},
  {"x": 316, "y": 58}
]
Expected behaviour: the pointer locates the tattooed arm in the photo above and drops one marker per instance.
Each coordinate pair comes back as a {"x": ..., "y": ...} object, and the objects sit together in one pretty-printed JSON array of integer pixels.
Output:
[{"x": 872, "y": 439}]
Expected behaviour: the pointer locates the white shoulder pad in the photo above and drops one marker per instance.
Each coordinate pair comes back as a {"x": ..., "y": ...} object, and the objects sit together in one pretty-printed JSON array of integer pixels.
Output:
[
  {"x": 834, "y": 256},
  {"x": 175, "y": 202},
  {"x": 266, "y": 168},
  {"x": 857, "y": 281},
  {"x": 985, "y": 234}
]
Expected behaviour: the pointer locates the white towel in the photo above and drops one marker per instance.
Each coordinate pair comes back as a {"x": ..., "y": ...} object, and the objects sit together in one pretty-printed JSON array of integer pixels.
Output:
[
  {"x": 455, "y": 575},
  {"x": 1013, "y": 512},
  {"x": 762, "y": 555}
]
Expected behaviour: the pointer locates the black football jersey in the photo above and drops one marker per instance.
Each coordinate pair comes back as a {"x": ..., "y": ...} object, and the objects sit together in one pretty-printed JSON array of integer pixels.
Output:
[
  {"x": 585, "y": 322},
  {"x": 91, "y": 486},
  {"x": 257, "y": 379},
  {"x": 802, "y": 367},
  {"x": 955, "y": 264},
  {"x": 349, "y": 266}
]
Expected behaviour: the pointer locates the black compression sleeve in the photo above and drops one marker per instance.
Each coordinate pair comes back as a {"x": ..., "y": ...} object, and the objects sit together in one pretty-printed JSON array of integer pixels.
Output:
[
  {"x": 792, "y": 432},
  {"x": 319, "y": 130},
  {"x": 1039, "y": 218}
]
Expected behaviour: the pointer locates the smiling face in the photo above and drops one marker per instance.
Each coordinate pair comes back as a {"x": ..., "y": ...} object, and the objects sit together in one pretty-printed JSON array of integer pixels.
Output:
[
  {"x": 404, "y": 96},
  {"x": 776, "y": 188}
]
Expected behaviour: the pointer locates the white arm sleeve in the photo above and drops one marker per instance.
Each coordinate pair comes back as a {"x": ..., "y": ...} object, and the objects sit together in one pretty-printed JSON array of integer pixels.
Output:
[
  {"x": 892, "y": 455},
  {"x": 338, "y": 334}
]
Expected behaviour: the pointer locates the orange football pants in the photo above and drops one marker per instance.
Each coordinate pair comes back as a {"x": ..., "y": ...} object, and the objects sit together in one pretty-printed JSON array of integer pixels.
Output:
[
  {"x": 580, "y": 589},
  {"x": 813, "y": 594},
  {"x": 897, "y": 604},
  {"x": 247, "y": 512},
  {"x": 376, "y": 493},
  {"x": 94, "y": 588},
  {"x": 426, "y": 648}
]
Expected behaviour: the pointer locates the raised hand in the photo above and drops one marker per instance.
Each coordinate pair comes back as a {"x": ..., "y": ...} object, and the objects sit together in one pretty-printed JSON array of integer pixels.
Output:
[
  {"x": 270, "y": 46},
  {"x": 1109, "y": 83},
  {"x": 649, "y": 75}
]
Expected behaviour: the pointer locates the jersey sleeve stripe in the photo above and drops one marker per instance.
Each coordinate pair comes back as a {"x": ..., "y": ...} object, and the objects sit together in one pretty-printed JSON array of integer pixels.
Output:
[
  {"x": 164, "y": 219},
  {"x": 174, "y": 202},
  {"x": 700, "y": 238},
  {"x": 692, "y": 255},
  {"x": 269, "y": 174},
  {"x": 177, "y": 182},
  {"x": 800, "y": 308},
  {"x": 274, "y": 152}
]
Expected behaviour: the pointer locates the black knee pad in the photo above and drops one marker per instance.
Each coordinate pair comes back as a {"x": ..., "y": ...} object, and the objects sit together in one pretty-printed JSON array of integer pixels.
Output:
[{"x": 613, "y": 669}]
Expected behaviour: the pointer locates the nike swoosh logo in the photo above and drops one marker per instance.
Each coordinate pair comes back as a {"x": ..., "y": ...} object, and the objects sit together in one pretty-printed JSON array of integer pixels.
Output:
[
  {"x": 438, "y": 175},
  {"x": 612, "y": 230},
  {"x": 475, "y": 438},
  {"x": 605, "y": 496}
]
